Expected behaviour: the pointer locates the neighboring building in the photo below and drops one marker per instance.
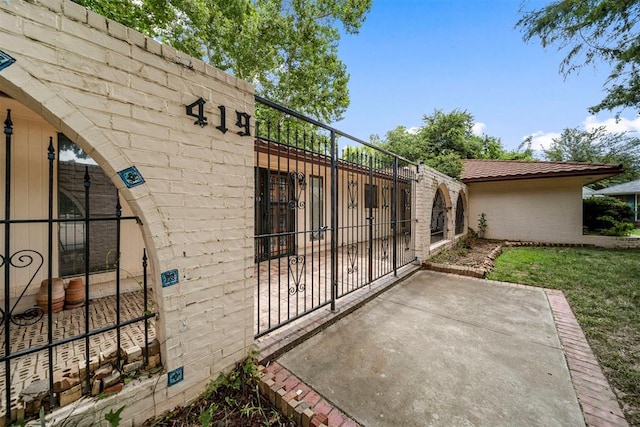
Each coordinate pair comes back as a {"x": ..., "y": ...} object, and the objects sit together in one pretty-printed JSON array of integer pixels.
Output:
[
  {"x": 588, "y": 192},
  {"x": 531, "y": 201},
  {"x": 628, "y": 192}
]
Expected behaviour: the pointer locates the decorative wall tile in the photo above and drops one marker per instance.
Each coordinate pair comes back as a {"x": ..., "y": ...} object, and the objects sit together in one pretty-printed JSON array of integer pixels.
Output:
[
  {"x": 131, "y": 177},
  {"x": 5, "y": 60},
  {"x": 175, "y": 376},
  {"x": 169, "y": 278}
]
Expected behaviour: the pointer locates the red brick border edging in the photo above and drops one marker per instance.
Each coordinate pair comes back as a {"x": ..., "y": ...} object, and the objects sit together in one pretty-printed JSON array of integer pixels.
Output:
[
  {"x": 298, "y": 400},
  {"x": 599, "y": 404}
]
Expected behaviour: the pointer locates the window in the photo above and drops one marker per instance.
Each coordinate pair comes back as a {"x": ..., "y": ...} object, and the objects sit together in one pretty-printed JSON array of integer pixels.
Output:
[
  {"x": 371, "y": 196},
  {"x": 317, "y": 208},
  {"x": 73, "y": 163}
]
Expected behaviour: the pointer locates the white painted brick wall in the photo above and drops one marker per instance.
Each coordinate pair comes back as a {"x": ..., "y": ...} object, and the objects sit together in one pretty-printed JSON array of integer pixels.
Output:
[
  {"x": 121, "y": 97},
  {"x": 429, "y": 180}
]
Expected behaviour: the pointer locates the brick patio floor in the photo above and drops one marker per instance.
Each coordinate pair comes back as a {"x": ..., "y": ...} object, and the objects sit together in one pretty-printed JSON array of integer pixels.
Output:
[
  {"x": 288, "y": 287},
  {"x": 66, "y": 324}
]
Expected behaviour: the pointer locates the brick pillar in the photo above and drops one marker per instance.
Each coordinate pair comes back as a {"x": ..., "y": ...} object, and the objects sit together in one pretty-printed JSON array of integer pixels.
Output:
[{"x": 423, "y": 213}]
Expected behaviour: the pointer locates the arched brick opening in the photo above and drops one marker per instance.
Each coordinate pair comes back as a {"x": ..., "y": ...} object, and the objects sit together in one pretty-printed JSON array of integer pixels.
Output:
[
  {"x": 81, "y": 130},
  {"x": 441, "y": 215},
  {"x": 121, "y": 97},
  {"x": 461, "y": 213}
]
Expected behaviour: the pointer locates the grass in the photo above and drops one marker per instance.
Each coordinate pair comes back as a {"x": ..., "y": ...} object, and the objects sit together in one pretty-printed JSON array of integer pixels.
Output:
[
  {"x": 603, "y": 289},
  {"x": 636, "y": 232}
]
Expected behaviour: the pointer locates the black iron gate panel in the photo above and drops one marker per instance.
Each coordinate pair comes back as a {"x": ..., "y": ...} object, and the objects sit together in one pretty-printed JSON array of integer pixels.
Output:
[
  {"x": 326, "y": 224},
  {"x": 34, "y": 333}
]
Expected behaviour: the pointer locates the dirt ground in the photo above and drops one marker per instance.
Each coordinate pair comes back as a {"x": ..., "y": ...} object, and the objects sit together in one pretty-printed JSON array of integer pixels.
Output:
[{"x": 471, "y": 252}]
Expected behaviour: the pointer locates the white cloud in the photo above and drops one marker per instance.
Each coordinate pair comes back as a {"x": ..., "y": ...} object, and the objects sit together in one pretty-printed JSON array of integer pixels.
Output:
[
  {"x": 478, "y": 128},
  {"x": 542, "y": 140},
  {"x": 613, "y": 125},
  {"x": 414, "y": 130}
]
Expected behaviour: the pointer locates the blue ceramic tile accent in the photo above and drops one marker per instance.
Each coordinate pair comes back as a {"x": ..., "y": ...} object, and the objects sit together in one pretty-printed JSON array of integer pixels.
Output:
[
  {"x": 169, "y": 278},
  {"x": 5, "y": 60},
  {"x": 175, "y": 376},
  {"x": 131, "y": 177}
]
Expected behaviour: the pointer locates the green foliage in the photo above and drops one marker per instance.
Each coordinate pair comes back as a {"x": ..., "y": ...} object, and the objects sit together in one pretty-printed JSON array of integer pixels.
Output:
[
  {"x": 607, "y": 215},
  {"x": 482, "y": 225},
  {"x": 449, "y": 164},
  {"x": 114, "y": 418},
  {"x": 591, "y": 32},
  {"x": 444, "y": 140},
  {"x": 246, "y": 375},
  {"x": 205, "y": 416},
  {"x": 598, "y": 146},
  {"x": 288, "y": 50}
]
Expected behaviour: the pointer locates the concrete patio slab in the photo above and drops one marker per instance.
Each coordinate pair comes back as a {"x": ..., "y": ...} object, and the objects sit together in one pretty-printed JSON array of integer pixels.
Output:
[{"x": 444, "y": 350}]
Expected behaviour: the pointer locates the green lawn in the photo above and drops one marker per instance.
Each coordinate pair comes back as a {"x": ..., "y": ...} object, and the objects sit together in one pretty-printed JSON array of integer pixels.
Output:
[
  {"x": 636, "y": 232},
  {"x": 603, "y": 289}
]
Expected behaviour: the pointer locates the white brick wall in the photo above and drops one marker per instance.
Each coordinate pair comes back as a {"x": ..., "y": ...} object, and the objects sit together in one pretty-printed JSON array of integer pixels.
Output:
[
  {"x": 429, "y": 181},
  {"x": 121, "y": 97}
]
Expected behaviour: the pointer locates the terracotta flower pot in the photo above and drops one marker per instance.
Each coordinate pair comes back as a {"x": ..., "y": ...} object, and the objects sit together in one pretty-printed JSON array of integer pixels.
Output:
[
  {"x": 57, "y": 295},
  {"x": 74, "y": 294}
]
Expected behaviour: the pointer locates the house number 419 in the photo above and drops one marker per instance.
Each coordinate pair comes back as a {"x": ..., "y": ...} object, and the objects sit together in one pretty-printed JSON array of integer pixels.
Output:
[{"x": 243, "y": 120}]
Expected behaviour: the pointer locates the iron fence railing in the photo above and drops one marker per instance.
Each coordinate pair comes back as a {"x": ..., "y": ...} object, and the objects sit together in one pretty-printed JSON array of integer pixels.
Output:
[
  {"x": 16, "y": 349},
  {"x": 325, "y": 224}
]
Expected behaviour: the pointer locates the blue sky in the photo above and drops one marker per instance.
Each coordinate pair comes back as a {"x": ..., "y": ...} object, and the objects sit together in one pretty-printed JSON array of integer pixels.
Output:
[{"x": 414, "y": 56}]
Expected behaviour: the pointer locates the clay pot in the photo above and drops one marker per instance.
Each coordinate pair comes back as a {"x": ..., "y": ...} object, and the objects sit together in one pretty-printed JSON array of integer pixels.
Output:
[
  {"x": 74, "y": 294},
  {"x": 57, "y": 295}
]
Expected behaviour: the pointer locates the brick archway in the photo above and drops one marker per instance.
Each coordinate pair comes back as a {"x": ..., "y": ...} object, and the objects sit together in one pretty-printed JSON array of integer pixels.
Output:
[{"x": 121, "y": 97}]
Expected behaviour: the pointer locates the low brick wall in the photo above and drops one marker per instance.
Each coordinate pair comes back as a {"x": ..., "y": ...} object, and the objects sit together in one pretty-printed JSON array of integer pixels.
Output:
[
  {"x": 478, "y": 272},
  {"x": 298, "y": 401}
]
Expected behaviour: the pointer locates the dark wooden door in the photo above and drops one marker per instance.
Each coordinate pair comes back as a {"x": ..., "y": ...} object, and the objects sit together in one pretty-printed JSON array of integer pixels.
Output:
[{"x": 274, "y": 214}]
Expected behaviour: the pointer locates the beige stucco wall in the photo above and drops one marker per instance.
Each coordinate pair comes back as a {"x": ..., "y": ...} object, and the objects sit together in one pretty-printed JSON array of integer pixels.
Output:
[
  {"x": 121, "y": 97},
  {"x": 539, "y": 210}
]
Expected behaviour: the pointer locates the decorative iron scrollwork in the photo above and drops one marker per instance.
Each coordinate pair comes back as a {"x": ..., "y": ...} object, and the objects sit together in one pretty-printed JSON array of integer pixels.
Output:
[
  {"x": 298, "y": 183},
  {"x": 385, "y": 247},
  {"x": 407, "y": 199},
  {"x": 385, "y": 197},
  {"x": 23, "y": 259},
  {"x": 407, "y": 240},
  {"x": 297, "y": 264},
  {"x": 352, "y": 192},
  {"x": 352, "y": 256},
  {"x": 459, "y": 215}
]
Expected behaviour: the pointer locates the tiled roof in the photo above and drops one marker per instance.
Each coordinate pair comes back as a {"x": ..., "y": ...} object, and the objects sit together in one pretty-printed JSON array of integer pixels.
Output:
[
  {"x": 630, "y": 187},
  {"x": 503, "y": 170}
]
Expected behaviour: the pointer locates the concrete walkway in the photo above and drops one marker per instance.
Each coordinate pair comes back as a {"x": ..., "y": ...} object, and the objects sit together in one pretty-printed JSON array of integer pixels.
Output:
[{"x": 444, "y": 350}]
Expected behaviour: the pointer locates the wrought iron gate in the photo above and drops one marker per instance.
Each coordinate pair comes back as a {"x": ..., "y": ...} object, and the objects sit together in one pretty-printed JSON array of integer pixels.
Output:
[
  {"x": 35, "y": 336},
  {"x": 327, "y": 224}
]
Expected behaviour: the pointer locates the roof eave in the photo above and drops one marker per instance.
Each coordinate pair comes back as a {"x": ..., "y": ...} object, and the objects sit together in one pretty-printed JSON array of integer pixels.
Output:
[{"x": 598, "y": 175}]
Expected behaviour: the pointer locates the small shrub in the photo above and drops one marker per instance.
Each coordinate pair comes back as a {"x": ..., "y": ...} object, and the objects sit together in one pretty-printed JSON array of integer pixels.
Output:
[
  {"x": 608, "y": 216},
  {"x": 482, "y": 225}
]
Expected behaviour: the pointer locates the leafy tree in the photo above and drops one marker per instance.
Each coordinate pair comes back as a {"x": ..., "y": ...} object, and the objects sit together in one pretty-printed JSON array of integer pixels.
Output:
[
  {"x": 287, "y": 49},
  {"x": 598, "y": 146},
  {"x": 608, "y": 216},
  {"x": 445, "y": 133},
  {"x": 444, "y": 140},
  {"x": 591, "y": 31}
]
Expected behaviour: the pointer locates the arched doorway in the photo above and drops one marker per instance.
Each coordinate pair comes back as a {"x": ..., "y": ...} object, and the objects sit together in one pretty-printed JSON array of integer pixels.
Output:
[{"x": 438, "y": 218}]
